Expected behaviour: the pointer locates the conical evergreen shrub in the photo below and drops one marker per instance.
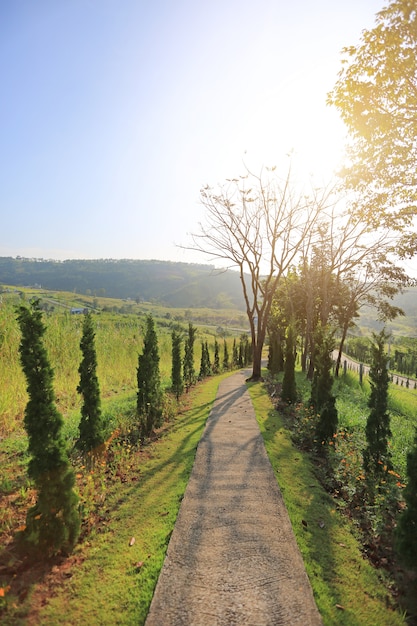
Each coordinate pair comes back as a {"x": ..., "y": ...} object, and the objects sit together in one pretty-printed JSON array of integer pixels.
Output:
[
  {"x": 176, "y": 371},
  {"x": 289, "y": 390},
  {"x": 53, "y": 523},
  {"x": 149, "y": 396},
  {"x": 91, "y": 426},
  {"x": 377, "y": 457}
]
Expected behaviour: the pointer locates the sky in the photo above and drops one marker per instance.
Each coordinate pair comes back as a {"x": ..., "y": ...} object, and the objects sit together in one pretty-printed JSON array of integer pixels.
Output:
[{"x": 114, "y": 113}]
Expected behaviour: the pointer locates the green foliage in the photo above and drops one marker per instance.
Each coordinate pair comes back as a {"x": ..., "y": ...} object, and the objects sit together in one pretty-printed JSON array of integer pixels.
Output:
[
  {"x": 226, "y": 363},
  {"x": 348, "y": 590},
  {"x": 149, "y": 395},
  {"x": 189, "y": 370},
  {"x": 182, "y": 284},
  {"x": 377, "y": 98},
  {"x": 322, "y": 400},
  {"x": 245, "y": 351},
  {"x": 176, "y": 372},
  {"x": 235, "y": 354},
  {"x": 377, "y": 458},
  {"x": 216, "y": 360},
  {"x": 52, "y": 524},
  {"x": 407, "y": 523},
  {"x": 289, "y": 390},
  {"x": 205, "y": 365},
  {"x": 91, "y": 424}
]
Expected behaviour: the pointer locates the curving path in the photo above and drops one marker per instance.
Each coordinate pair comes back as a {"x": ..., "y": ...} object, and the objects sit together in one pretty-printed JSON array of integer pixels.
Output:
[{"x": 232, "y": 558}]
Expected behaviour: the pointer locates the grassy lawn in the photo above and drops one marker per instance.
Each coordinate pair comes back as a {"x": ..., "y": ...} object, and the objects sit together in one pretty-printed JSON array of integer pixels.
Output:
[{"x": 110, "y": 577}]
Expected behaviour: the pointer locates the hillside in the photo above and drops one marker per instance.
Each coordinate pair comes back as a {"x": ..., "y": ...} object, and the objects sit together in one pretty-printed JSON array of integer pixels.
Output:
[
  {"x": 178, "y": 285},
  {"x": 405, "y": 326},
  {"x": 168, "y": 283}
]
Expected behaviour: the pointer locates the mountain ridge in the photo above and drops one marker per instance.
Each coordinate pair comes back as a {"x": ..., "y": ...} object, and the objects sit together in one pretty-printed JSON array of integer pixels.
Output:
[{"x": 167, "y": 282}]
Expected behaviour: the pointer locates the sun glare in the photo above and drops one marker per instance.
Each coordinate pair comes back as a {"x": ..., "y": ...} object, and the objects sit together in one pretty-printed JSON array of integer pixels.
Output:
[{"x": 296, "y": 120}]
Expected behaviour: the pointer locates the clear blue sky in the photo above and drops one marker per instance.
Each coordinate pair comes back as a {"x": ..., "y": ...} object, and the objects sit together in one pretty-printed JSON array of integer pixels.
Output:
[{"x": 114, "y": 113}]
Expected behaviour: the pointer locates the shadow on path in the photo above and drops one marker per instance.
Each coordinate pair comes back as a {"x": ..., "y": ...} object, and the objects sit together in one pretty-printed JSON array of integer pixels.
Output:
[{"x": 232, "y": 558}]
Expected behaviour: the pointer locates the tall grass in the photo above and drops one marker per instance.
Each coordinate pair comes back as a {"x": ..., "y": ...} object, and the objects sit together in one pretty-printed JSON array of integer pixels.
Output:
[
  {"x": 119, "y": 341},
  {"x": 353, "y": 410}
]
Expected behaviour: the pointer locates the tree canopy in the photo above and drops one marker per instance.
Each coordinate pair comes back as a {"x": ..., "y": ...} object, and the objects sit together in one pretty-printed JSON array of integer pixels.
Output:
[{"x": 376, "y": 94}]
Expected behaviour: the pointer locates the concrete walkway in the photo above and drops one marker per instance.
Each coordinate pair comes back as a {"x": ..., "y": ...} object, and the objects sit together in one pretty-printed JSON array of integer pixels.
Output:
[{"x": 232, "y": 558}]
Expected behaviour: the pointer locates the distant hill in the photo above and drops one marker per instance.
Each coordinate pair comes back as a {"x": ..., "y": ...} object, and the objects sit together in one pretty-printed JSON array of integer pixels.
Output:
[
  {"x": 165, "y": 282},
  {"x": 182, "y": 285},
  {"x": 405, "y": 326}
]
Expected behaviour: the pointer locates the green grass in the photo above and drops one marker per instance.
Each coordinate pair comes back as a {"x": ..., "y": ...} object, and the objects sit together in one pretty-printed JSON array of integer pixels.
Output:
[
  {"x": 108, "y": 581},
  {"x": 118, "y": 341},
  {"x": 347, "y": 589}
]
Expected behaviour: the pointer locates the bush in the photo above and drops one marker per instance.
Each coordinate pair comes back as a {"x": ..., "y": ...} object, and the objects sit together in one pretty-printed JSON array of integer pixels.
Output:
[
  {"x": 53, "y": 523},
  {"x": 149, "y": 396}
]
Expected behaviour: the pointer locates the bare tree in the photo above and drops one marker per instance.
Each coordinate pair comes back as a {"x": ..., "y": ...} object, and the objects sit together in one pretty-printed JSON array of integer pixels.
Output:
[{"x": 259, "y": 225}]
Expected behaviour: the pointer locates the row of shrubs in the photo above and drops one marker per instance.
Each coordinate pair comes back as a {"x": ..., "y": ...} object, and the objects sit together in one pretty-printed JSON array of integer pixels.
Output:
[
  {"x": 53, "y": 523},
  {"x": 362, "y": 475}
]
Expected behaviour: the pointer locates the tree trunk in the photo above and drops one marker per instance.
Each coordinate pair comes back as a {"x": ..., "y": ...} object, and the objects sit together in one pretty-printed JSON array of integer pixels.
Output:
[
  {"x": 257, "y": 362},
  {"x": 339, "y": 356}
]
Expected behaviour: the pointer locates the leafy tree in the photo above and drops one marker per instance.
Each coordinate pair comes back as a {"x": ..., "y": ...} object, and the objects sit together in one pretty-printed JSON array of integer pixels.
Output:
[
  {"x": 176, "y": 372},
  {"x": 52, "y": 524},
  {"x": 91, "y": 424},
  {"x": 289, "y": 390},
  {"x": 149, "y": 395},
  {"x": 406, "y": 531},
  {"x": 257, "y": 222},
  {"x": 376, "y": 457},
  {"x": 189, "y": 371},
  {"x": 376, "y": 95},
  {"x": 322, "y": 400}
]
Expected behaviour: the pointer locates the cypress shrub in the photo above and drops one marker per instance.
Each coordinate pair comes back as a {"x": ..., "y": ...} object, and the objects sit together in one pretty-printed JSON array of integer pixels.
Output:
[
  {"x": 216, "y": 359},
  {"x": 91, "y": 426},
  {"x": 53, "y": 523},
  {"x": 376, "y": 456},
  {"x": 189, "y": 371},
  {"x": 322, "y": 400},
  {"x": 226, "y": 363},
  {"x": 149, "y": 396},
  {"x": 176, "y": 371},
  {"x": 289, "y": 391}
]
